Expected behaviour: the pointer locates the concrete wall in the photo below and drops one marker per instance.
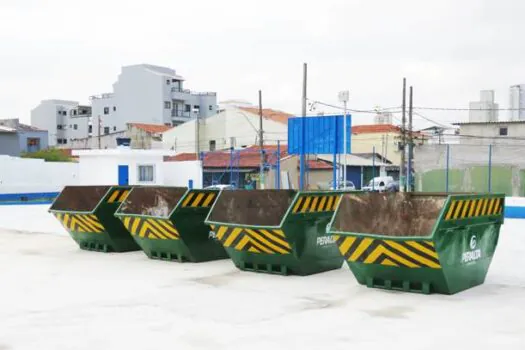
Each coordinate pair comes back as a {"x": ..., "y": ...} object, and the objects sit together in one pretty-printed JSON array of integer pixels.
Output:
[
  {"x": 20, "y": 175},
  {"x": 101, "y": 167},
  {"x": 106, "y": 141},
  {"x": 318, "y": 179},
  {"x": 179, "y": 173},
  {"x": 385, "y": 144},
  {"x": 9, "y": 144},
  {"x": 486, "y": 134}
]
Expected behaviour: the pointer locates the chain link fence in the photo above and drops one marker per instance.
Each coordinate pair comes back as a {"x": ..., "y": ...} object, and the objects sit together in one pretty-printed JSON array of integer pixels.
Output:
[{"x": 470, "y": 168}]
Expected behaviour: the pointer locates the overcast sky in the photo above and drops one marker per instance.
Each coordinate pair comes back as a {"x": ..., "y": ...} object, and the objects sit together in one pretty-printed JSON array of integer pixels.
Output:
[{"x": 449, "y": 50}]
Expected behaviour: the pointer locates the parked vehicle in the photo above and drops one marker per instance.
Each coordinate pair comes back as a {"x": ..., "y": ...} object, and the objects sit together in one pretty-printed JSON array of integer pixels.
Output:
[
  {"x": 341, "y": 186},
  {"x": 393, "y": 187},
  {"x": 379, "y": 184}
]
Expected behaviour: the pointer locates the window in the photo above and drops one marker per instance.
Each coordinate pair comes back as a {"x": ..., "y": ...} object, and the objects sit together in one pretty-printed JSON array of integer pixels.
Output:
[
  {"x": 75, "y": 126},
  {"x": 106, "y": 110},
  {"x": 70, "y": 126},
  {"x": 503, "y": 131},
  {"x": 168, "y": 82},
  {"x": 114, "y": 128},
  {"x": 210, "y": 107},
  {"x": 59, "y": 127},
  {"x": 167, "y": 104},
  {"x": 212, "y": 145},
  {"x": 196, "y": 107},
  {"x": 114, "y": 108},
  {"x": 59, "y": 141},
  {"x": 90, "y": 129},
  {"x": 64, "y": 113},
  {"x": 187, "y": 108},
  {"x": 64, "y": 141},
  {"x": 106, "y": 130},
  {"x": 146, "y": 173}
]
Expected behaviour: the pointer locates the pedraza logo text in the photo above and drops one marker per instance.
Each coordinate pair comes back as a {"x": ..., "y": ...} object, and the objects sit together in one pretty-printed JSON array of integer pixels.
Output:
[
  {"x": 472, "y": 255},
  {"x": 325, "y": 240}
]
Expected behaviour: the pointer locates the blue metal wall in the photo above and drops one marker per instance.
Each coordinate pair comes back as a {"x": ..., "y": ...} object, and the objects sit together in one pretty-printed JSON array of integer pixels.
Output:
[
  {"x": 353, "y": 173},
  {"x": 320, "y": 135}
]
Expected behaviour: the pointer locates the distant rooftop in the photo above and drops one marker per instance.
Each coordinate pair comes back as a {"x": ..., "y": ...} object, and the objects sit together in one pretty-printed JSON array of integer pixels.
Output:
[{"x": 494, "y": 123}]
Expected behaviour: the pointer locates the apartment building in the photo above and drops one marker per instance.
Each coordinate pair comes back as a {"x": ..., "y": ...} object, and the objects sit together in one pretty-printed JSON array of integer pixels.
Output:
[
  {"x": 142, "y": 93},
  {"x": 64, "y": 120}
]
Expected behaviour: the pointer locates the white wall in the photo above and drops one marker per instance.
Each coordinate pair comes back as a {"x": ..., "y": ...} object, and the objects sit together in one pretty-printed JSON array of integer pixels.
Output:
[
  {"x": 100, "y": 167},
  {"x": 231, "y": 123},
  {"x": 179, "y": 173},
  {"x": 19, "y": 175}
]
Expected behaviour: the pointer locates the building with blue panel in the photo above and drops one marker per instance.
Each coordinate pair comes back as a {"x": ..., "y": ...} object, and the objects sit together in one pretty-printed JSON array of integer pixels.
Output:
[{"x": 17, "y": 138}]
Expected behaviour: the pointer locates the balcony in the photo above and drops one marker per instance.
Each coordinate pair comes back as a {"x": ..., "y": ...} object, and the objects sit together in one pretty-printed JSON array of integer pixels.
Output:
[
  {"x": 183, "y": 94},
  {"x": 180, "y": 114}
]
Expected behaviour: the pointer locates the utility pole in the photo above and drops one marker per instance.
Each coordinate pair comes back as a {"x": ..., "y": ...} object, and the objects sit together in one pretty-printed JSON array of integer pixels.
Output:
[
  {"x": 303, "y": 130},
  {"x": 344, "y": 97},
  {"x": 197, "y": 136},
  {"x": 99, "y": 131},
  {"x": 261, "y": 142},
  {"x": 403, "y": 140},
  {"x": 410, "y": 144}
]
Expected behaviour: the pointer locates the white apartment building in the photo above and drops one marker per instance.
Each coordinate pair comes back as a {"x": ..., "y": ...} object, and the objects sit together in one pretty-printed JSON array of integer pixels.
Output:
[
  {"x": 143, "y": 93},
  {"x": 236, "y": 127},
  {"x": 517, "y": 102},
  {"x": 149, "y": 94},
  {"x": 64, "y": 120},
  {"x": 484, "y": 110}
]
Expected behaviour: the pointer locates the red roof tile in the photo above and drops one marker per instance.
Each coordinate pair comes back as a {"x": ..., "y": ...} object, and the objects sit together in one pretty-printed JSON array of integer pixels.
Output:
[
  {"x": 376, "y": 128},
  {"x": 248, "y": 157},
  {"x": 151, "y": 128},
  {"x": 270, "y": 114},
  {"x": 319, "y": 165}
]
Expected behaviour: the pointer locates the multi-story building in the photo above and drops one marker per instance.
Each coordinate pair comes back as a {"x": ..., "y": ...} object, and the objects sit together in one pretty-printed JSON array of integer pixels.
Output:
[
  {"x": 149, "y": 94},
  {"x": 484, "y": 110},
  {"x": 142, "y": 94},
  {"x": 517, "y": 102},
  {"x": 64, "y": 120}
]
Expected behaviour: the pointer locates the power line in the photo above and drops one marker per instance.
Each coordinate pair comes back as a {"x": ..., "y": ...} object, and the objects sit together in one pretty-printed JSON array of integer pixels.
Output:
[{"x": 468, "y": 109}]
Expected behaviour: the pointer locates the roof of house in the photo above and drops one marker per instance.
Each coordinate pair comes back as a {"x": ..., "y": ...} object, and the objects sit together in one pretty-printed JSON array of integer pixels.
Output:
[
  {"x": 270, "y": 114},
  {"x": 318, "y": 164},
  {"x": 13, "y": 125},
  {"x": 151, "y": 128},
  {"x": 374, "y": 128},
  {"x": 249, "y": 157}
]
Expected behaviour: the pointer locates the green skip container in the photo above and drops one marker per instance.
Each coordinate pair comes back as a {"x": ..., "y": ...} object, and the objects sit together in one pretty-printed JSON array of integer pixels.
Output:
[
  {"x": 277, "y": 231},
  {"x": 426, "y": 243},
  {"x": 168, "y": 223},
  {"x": 87, "y": 213}
]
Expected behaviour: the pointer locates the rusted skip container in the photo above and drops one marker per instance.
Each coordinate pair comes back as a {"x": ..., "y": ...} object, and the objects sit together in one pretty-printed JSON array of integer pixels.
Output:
[
  {"x": 86, "y": 212},
  {"x": 168, "y": 223}
]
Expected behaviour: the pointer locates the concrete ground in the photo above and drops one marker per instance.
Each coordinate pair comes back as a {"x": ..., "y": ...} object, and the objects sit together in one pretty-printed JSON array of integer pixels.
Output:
[{"x": 55, "y": 296}]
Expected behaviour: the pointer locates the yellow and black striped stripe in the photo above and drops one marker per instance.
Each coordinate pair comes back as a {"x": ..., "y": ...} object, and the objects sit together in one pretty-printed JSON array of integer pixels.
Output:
[
  {"x": 410, "y": 254},
  {"x": 470, "y": 208},
  {"x": 316, "y": 204},
  {"x": 253, "y": 240},
  {"x": 118, "y": 196},
  {"x": 199, "y": 199},
  {"x": 150, "y": 228},
  {"x": 84, "y": 223}
]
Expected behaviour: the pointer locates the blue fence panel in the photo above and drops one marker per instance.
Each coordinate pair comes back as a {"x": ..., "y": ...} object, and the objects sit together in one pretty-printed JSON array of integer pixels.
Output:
[{"x": 322, "y": 135}]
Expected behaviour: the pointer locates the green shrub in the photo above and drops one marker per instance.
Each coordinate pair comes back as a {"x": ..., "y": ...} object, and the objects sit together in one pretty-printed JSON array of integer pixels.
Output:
[{"x": 50, "y": 155}]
